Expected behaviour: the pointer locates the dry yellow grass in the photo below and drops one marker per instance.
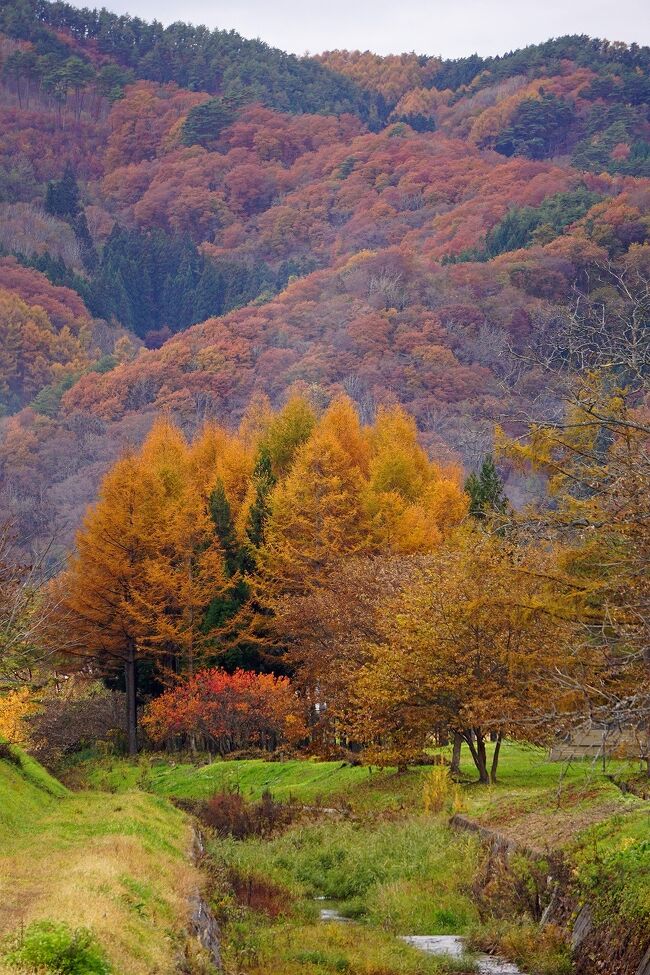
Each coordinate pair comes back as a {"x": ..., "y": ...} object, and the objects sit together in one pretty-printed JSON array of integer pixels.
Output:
[{"x": 118, "y": 865}]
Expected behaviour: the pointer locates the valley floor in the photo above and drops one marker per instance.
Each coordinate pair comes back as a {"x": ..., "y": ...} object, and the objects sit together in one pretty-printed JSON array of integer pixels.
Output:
[{"x": 114, "y": 857}]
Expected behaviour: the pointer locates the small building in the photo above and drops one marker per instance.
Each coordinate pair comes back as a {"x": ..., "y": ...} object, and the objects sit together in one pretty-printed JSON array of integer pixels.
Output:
[{"x": 601, "y": 741}]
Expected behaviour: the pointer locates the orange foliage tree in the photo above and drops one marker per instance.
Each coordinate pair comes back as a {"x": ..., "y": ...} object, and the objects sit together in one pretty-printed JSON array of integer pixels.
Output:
[
  {"x": 230, "y": 711},
  {"x": 146, "y": 561},
  {"x": 467, "y": 646}
]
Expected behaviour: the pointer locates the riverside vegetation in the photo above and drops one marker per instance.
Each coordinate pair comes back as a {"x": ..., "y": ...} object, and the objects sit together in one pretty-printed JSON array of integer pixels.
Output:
[{"x": 375, "y": 845}]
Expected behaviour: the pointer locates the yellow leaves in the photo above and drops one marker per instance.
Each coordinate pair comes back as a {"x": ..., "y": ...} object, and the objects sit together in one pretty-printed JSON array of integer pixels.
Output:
[
  {"x": 217, "y": 455},
  {"x": 409, "y": 500},
  {"x": 287, "y": 430},
  {"x": 402, "y": 528},
  {"x": 32, "y": 352},
  {"x": 419, "y": 101},
  {"x": 357, "y": 260},
  {"x": 462, "y": 645},
  {"x": 125, "y": 350},
  {"x": 446, "y": 503},
  {"x": 342, "y": 421},
  {"x": 316, "y": 516},
  {"x": 255, "y": 420},
  {"x": 15, "y": 709},
  {"x": 164, "y": 457},
  {"x": 298, "y": 495},
  {"x": 349, "y": 491},
  {"x": 148, "y": 561}
]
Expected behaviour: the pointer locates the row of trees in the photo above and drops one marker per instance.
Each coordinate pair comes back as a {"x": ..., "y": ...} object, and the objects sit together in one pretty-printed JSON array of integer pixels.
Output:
[
  {"x": 197, "y": 58},
  {"x": 399, "y": 605},
  {"x": 64, "y": 81},
  {"x": 181, "y": 561}
]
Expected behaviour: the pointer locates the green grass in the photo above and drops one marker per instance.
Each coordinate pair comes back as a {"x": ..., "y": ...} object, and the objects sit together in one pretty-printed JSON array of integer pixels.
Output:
[
  {"x": 298, "y": 946},
  {"x": 577, "y": 811},
  {"x": 305, "y": 780},
  {"x": 381, "y": 861},
  {"x": 613, "y": 866},
  {"x": 523, "y": 769},
  {"x": 116, "y": 865},
  {"x": 26, "y": 790},
  {"x": 408, "y": 876}
]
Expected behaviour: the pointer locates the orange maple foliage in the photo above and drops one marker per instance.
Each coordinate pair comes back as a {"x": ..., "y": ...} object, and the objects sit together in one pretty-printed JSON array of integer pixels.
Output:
[{"x": 229, "y": 711}]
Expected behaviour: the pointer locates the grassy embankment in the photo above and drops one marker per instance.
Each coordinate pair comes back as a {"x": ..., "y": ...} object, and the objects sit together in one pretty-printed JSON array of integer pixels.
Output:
[
  {"x": 116, "y": 865},
  {"x": 395, "y": 869}
]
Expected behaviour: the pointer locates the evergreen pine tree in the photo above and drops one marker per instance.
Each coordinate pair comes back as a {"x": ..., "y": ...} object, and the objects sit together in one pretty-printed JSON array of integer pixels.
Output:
[
  {"x": 485, "y": 490},
  {"x": 264, "y": 483},
  {"x": 224, "y": 527},
  {"x": 62, "y": 195}
]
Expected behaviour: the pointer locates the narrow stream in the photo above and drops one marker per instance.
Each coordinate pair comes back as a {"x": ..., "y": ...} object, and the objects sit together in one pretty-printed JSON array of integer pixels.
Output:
[
  {"x": 443, "y": 945},
  {"x": 453, "y": 946}
]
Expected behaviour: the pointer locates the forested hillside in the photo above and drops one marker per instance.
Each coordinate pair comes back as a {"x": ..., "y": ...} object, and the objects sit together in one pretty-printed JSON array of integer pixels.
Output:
[
  {"x": 323, "y": 470},
  {"x": 188, "y": 218}
]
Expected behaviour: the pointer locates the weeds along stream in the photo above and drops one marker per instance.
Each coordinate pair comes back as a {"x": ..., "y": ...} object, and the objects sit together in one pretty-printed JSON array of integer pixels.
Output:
[
  {"x": 366, "y": 892},
  {"x": 377, "y": 848},
  {"x": 390, "y": 878}
]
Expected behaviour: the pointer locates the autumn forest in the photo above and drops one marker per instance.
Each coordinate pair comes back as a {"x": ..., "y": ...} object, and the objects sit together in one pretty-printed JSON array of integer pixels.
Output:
[{"x": 324, "y": 504}]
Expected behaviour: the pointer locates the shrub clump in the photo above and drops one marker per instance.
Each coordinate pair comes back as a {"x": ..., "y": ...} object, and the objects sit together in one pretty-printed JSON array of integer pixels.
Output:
[
  {"x": 228, "y": 814},
  {"x": 259, "y": 894},
  {"x": 48, "y": 947}
]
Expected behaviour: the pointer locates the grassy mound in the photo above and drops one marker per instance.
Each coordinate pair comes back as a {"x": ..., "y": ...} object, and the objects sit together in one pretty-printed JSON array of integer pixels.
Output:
[
  {"x": 304, "y": 780},
  {"x": 114, "y": 865}
]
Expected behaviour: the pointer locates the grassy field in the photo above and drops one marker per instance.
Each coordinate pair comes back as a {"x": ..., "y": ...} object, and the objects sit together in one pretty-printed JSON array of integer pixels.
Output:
[
  {"x": 114, "y": 864},
  {"x": 364, "y": 845},
  {"x": 392, "y": 868},
  {"x": 307, "y": 781}
]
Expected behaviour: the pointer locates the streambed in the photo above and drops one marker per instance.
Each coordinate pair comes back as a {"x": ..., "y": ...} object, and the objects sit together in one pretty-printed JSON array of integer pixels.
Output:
[{"x": 443, "y": 945}]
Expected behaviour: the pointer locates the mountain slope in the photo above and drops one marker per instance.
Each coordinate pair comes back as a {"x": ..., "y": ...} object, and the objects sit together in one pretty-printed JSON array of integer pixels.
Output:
[{"x": 252, "y": 242}]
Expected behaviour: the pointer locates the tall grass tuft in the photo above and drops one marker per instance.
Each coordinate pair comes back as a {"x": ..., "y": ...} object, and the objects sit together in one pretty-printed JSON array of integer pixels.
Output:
[
  {"x": 48, "y": 947},
  {"x": 436, "y": 789}
]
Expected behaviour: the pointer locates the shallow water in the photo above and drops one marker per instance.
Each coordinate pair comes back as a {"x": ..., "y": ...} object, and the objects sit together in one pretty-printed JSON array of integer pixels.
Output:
[
  {"x": 452, "y": 946},
  {"x": 446, "y": 945},
  {"x": 331, "y": 914}
]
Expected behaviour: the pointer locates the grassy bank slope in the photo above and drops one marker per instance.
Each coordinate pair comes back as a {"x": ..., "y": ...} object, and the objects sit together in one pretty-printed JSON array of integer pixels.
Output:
[
  {"x": 304, "y": 780},
  {"x": 114, "y": 864},
  {"x": 399, "y": 871}
]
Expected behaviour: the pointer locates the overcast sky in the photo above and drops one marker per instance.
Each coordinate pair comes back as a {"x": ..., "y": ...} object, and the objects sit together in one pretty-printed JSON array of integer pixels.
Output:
[{"x": 452, "y": 28}]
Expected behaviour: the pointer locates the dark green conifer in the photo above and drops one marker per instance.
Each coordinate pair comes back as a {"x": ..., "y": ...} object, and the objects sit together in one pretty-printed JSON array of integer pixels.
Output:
[
  {"x": 485, "y": 489},
  {"x": 264, "y": 483},
  {"x": 224, "y": 527},
  {"x": 62, "y": 195}
]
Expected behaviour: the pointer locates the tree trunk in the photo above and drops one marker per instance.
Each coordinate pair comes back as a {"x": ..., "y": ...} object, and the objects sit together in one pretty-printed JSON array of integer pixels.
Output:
[
  {"x": 455, "y": 755},
  {"x": 484, "y": 778},
  {"x": 131, "y": 702},
  {"x": 495, "y": 758},
  {"x": 477, "y": 749}
]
